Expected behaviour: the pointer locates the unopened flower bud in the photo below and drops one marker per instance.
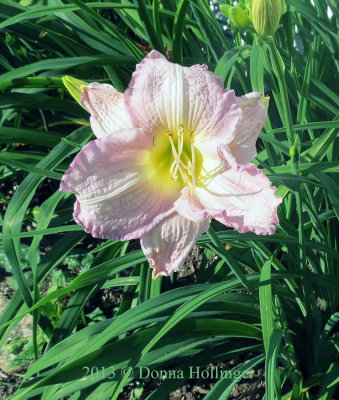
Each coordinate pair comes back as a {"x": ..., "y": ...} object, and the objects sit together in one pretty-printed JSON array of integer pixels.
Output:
[
  {"x": 292, "y": 152},
  {"x": 238, "y": 18},
  {"x": 225, "y": 8},
  {"x": 294, "y": 149},
  {"x": 266, "y": 16}
]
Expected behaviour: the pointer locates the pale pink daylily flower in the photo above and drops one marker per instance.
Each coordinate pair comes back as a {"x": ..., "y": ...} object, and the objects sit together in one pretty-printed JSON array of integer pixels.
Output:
[{"x": 171, "y": 153}]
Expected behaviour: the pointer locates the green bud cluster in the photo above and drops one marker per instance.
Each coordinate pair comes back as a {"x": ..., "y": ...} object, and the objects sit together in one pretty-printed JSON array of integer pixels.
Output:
[
  {"x": 261, "y": 15},
  {"x": 238, "y": 15}
]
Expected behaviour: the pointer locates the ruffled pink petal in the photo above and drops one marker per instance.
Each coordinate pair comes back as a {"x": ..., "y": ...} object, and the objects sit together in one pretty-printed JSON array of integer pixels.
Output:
[
  {"x": 239, "y": 196},
  {"x": 254, "y": 112},
  {"x": 114, "y": 197},
  {"x": 189, "y": 206},
  {"x": 168, "y": 244},
  {"x": 107, "y": 108},
  {"x": 162, "y": 95}
]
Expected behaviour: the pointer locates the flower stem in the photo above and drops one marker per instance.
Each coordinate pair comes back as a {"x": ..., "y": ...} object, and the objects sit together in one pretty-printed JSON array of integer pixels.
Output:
[{"x": 279, "y": 71}]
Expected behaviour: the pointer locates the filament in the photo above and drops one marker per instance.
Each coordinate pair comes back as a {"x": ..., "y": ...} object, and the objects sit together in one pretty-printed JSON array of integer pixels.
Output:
[{"x": 187, "y": 171}]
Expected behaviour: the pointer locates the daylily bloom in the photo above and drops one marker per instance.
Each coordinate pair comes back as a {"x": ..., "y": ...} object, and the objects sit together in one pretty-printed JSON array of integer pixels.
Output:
[{"x": 171, "y": 153}]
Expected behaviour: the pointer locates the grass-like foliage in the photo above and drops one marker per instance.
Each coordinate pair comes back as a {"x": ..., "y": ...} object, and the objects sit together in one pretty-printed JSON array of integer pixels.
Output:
[{"x": 259, "y": 300}]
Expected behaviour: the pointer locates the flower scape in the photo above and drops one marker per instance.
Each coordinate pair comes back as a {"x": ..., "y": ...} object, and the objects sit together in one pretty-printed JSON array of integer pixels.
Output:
[{"x": 171, "y": 153}]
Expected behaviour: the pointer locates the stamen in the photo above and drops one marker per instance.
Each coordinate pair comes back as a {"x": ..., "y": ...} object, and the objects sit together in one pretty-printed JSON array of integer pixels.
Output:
[
  {"x": 180, "y": 134},
  {"x": 176, "y": 163},
  {"x": 188, "y": 170}
]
